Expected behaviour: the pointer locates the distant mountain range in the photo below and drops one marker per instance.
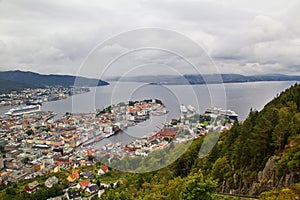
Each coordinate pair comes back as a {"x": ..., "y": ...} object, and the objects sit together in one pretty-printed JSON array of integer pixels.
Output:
[
  {"x": 15, "y": 80},
  {"x": 205, "y": 79}
]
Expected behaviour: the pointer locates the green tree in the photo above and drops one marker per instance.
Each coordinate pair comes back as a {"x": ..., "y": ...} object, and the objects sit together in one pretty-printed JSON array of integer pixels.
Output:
[
  {"x": 90, "y": 158},
  {"x": 10, "y": 191},
  {"x": 26, "y": 160},
  {"x": 29, "y": 132},
  {"x": 282, "y": 129},
  {"x": 198, "y": 187},
  {"x": 220, "y": 168},
  {"x": 115, "y": 195}
]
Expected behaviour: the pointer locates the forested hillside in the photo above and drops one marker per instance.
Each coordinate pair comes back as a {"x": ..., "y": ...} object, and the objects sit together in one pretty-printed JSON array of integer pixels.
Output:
[{"x": 263, "y": 152}]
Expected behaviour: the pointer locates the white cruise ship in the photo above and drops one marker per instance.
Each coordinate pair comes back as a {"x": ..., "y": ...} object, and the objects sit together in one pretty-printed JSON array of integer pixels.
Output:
[
  {"x": 218, "y": 111},
  {"x": 23, "y": 110}
]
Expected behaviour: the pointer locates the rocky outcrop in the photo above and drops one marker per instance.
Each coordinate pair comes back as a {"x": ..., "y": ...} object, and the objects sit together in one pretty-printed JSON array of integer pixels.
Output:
[
  {"x": 289, "y": 179},
  {"x": 269, "y": 170},
  {"x": 267, "y": 179}
]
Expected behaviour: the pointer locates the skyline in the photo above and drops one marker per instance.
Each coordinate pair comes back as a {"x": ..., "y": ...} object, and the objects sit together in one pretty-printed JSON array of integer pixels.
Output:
[{"x": 52, "y": 37}]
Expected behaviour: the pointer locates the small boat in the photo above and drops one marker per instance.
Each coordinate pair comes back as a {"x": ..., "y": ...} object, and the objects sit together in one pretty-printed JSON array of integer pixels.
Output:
[
  {"x": 29, "y": 103},
  {"x": 159, "y": 112}
]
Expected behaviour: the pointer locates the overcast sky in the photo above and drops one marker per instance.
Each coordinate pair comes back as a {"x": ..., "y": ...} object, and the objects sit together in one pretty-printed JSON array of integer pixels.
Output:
[{"x": 247, "y": 37}]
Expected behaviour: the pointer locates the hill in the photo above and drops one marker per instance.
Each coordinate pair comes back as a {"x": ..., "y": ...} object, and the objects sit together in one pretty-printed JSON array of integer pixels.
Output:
[
  {"x": 262, "y": 153},
  {"x": 8, "y": 86},
  {"x": 31, "y": 79}
]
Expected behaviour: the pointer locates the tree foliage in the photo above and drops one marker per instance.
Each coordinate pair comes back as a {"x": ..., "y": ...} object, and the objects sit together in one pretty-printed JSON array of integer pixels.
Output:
[{"x": 197, "y": 187}]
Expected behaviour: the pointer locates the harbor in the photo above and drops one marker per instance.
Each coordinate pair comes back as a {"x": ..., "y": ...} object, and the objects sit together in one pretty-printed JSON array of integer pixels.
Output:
[{"x": 184, "y": 129}]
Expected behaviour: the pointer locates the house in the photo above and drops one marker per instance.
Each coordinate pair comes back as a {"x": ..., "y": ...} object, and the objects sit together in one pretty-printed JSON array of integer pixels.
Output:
[
  {"x": 12, "y": 163},
  {"x": 32, "y": 187},
  {"x": 104, "y": 185},
  {"x": 87, "y": 174},
  {"x": 51, "y": 181},
  {"x": 16, "y": 176},
  {"x": 83, "y": 184},
  {"x": 56, "y": 169},
  {"x": 4, "y": 176},
  {"x": 103, "y": 170},
  {"x": 73, "y": 194},
  {"x": 29, "y": 168},
  {"x": 93, "y": 188},
  {"x": 75, "y": 165},
  {"x": 73, "y": 177},
  {"x": 166, "y": 133},
  {"x": 85, "y": 163}
]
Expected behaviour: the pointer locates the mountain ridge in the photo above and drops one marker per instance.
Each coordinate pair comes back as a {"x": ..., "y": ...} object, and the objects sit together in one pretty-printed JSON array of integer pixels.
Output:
[
  {"x": 8, "y": 86},
  {"x": 25, "y": 79}
]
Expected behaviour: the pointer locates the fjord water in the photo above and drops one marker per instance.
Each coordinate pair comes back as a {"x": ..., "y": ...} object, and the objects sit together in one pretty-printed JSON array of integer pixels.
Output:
[{"x": 239, "y": 97}]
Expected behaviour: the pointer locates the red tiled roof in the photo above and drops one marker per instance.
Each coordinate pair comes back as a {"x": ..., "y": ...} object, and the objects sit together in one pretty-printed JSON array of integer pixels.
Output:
[
  {"x": 84, "y": 183},
  {"x": 104, "y": 168},
  {"x": 75, "y": 175},
  {"x": 165, "y": 133}
]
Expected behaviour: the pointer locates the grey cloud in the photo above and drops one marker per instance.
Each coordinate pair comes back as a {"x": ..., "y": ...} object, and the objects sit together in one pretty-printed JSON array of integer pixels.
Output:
[{"x": 56, "y": 36}]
